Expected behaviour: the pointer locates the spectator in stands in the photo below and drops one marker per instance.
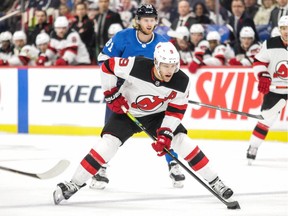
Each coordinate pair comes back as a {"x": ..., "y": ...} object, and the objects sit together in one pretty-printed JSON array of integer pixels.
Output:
[
  {"x": 127, "y": 9},
  {"x": 263, "y": 14},
  {"x": 201, "y": 14},
  {"x": 280, "y": 10},
  {"x": 41, "y": 26},
  {"x": 85, "y": 27},
  {"x": 167, "y": 13},
  {"x": 184, "y": 18},
  {"x": 6, "y": 47},
  {"x": 66, "y": 46},
  {"x": 247, "y": 49},
  {"x": 237, "y": 20},
  {"x": 223, "y": 12},
  {"x": 105, "y": 18},
  {"x": 93, "y": 10},
  {"x": 181, "y": 40},
  {"x": 251, "y": 8},
  {"x": 64, "y": 10}
]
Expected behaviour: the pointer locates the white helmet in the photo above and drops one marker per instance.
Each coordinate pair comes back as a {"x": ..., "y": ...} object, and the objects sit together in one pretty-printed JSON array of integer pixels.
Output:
[
  {"x": 196, "y": 28},
  {"x": 247, "y": 32},
  {"x": 42, "y": 38},
  {"x": 114, "y": 28},
  {"x": 213, "y": 35},
  {"x": 61, "y": 22},
  {"x": 181, "y": 32},
  {"x": 5, "y": 36},
  {"x": 166, "y": 52},
  {"x": 203, "y": 45},
  {"x": 283, "y": 21},
  {"x": 275, "y": 32},
  {"x": 19, "y": 35}
]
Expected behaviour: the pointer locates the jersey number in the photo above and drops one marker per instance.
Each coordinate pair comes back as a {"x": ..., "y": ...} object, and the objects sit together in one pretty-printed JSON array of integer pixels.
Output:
[{"x": 123, "y": 62}]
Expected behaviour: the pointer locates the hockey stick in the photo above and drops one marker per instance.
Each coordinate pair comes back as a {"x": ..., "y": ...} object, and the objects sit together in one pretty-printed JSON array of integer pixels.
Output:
[
  {"x": 230, "y": 205},
  {"x": 227, "y": 110},
  {"x": 278, "y": 87},
  {"x": 54, "y": 171}
]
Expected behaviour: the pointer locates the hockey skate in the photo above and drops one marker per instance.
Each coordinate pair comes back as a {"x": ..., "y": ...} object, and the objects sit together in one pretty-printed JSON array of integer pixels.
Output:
[
  {"x": 100, "y": 180},
  {"x": 218, "y": 186},
  {"x": 176, "y": 175},
  {"x": 251, "y": 154},
  {"x": 65, "y": 191}
]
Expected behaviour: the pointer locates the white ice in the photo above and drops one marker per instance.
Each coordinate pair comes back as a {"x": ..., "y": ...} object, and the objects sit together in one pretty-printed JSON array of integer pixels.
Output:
[{"x": 139, "y": 182}]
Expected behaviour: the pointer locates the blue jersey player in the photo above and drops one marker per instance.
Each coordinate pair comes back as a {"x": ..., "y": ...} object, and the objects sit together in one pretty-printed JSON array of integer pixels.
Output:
[{"x": 137, "y": 41}]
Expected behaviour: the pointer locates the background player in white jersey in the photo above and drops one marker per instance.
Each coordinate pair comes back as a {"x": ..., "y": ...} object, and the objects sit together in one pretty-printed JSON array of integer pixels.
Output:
[
  {"x": 156, "y": 93},
  {"x": 271, "y": 69},
  {"x": 138, "y": 41},
  {"x": 66, "y": 46}
]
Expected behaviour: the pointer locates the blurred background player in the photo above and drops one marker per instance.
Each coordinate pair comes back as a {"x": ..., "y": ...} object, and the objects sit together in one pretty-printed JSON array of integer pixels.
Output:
[
  {"x": 6, "y": 47},
  {"x": 113, "y": 29},
  {"x": 136, "y": 41},
  {"x": 66, "y": 46},
  {"x": 247, "y": 49},
  {"x": 19, "y": 40},
  {"x": 42, "y": 43},
  {"x": 271, "y": 68}
]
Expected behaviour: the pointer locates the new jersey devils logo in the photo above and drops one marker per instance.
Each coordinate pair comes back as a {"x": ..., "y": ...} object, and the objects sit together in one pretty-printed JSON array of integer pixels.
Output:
[
  {"x": 281, "y": 70},
  {"x": 150, "y": 103}
]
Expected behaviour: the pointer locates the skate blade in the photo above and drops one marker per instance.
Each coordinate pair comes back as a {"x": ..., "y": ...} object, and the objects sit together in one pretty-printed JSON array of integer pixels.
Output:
[
  {"x": 98, "y": 185},
  {"x": 58, "y": 196},
  {"x": 178, "y": 184},
  {"x": 250, "y": 162}
]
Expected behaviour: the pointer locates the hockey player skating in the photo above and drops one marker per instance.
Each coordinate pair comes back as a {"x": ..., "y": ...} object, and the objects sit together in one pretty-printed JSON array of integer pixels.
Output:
[
  {"x": 271, "y": 68},
  {"x": 156, "y": 93},
  {"x": 138, "y": 41}
]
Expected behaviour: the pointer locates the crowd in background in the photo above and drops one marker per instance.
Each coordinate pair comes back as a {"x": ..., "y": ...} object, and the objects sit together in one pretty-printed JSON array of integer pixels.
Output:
[{"x": 230, "y": 36}]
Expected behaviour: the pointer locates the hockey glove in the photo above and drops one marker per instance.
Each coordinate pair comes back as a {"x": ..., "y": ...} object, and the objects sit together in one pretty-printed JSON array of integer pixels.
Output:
[
  {"x": 41, "y": 60},
  {"x": 164, "y": 137},
  {"x": 197, "y": 61},
  {"x": 264, "y": 82},
  {"x": 3, "y": 62},
  {"x": 61, "y": 61},
  {"x": 115, "y": 100}
]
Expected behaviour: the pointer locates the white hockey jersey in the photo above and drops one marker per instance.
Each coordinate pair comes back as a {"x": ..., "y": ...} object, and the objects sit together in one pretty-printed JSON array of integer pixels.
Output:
[
  {"x": 146, "y": 94},
  {"x": 27, "y": 57},
  {"x": 70, "y": 48},
  {"x": 273, "y": 57}
]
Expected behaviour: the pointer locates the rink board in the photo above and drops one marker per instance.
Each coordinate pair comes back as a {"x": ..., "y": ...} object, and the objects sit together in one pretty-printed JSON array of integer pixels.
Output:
[{"x": 57, "y": 100}]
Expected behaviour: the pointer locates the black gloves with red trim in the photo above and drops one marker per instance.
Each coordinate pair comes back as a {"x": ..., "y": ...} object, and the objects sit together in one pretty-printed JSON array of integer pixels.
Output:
[
  {"x": 115, "y": 100},
  {"x": 164, "y": 137},
  {"x": 264, "y": 82}
]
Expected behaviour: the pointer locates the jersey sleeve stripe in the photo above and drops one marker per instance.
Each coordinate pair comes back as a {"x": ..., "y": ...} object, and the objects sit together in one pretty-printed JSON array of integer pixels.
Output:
[
  {"x": 259, "y": 63},
  {"x": 176, "y": 111},
  {"x": 107, "y": 65}
]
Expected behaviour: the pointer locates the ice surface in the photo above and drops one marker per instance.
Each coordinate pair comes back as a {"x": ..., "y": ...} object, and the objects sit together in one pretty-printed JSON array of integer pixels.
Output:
[{"x": 139, "y": 181}]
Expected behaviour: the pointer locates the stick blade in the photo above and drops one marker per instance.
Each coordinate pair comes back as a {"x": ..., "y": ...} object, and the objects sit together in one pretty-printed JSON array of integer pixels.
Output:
[
  {"x": 59, "y": 168},
  {"x": 233, "y": 205}
]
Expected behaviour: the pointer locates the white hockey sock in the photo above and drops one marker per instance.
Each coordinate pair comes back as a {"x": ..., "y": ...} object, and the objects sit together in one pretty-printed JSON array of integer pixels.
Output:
[
  {"x": 207, "y": 173},
  {"x": 81, "y": 175}
]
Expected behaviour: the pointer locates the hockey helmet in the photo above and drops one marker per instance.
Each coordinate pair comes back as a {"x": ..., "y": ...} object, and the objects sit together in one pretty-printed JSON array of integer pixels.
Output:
[
  {"x": 42, "y": 38},
  {"x": 181, "y": 32},
  {"x": 213, "y": 35},
  {"x": 5, "y": 36},
  {"x": 19, "y": 35},
  {"x": 283, "y": 21},
  {"x": 61, "y": 22},
  {"x": 146, "y": 10},
  {"x": 166, "y": 52},
  {"x": 196, "y": 28},
  {"x": 114, "y": 28},
  {"x": 247, "y": 32}
]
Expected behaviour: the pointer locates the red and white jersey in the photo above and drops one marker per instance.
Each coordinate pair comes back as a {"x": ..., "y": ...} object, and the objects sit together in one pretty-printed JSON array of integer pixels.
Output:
[
  {"x": 27, "y": 56},
  {"x": 273, "y": 57},
  {"x": 70, "y": 48},
  {"x": 146, "y": 94},
  {"x": 220, "y": 55}
]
